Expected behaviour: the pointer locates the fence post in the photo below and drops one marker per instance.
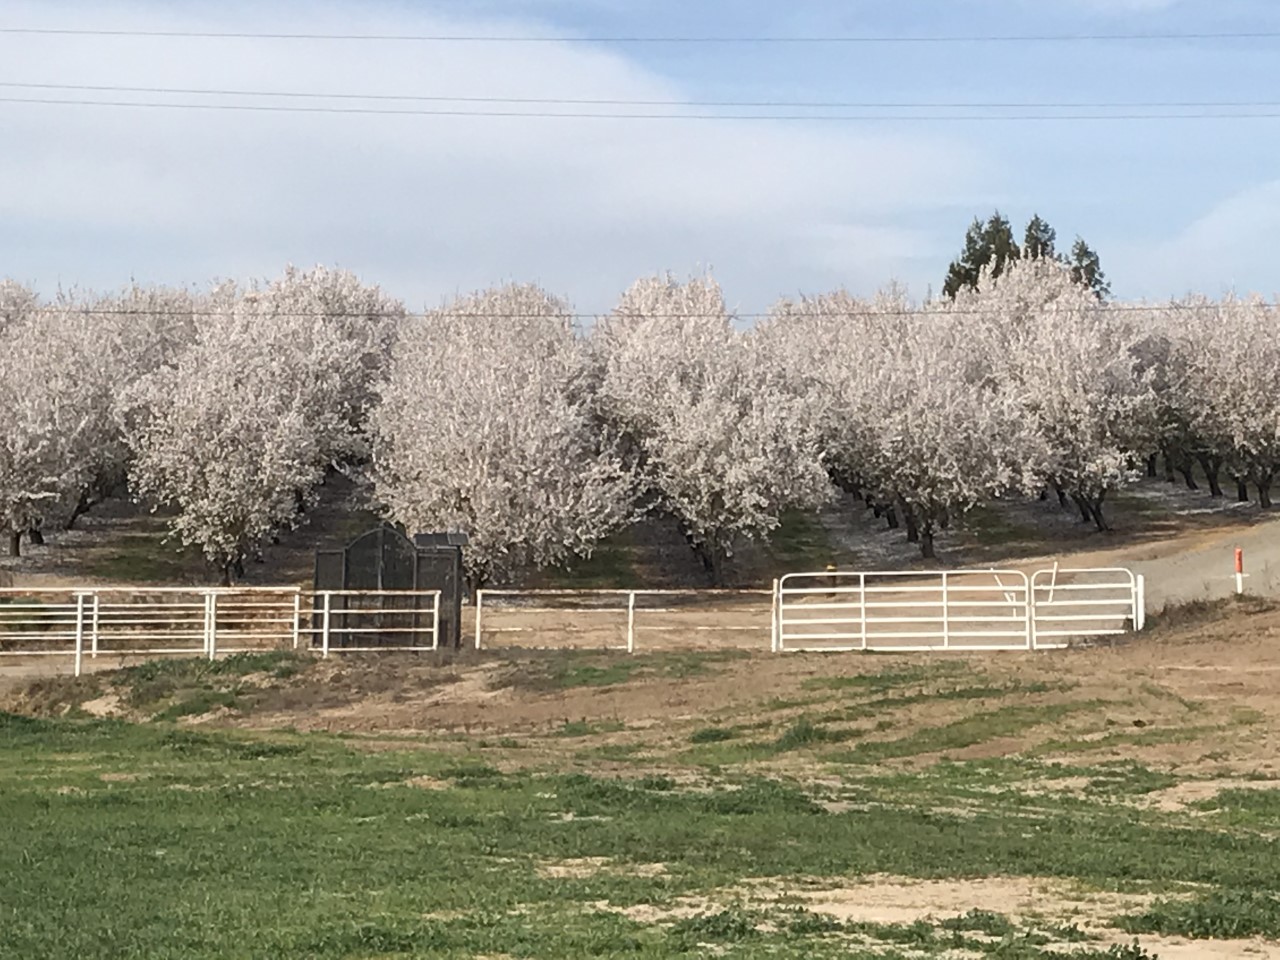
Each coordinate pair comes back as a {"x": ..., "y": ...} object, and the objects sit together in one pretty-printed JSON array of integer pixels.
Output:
[
  {"x": 93, "y": 633},
  {"x": 297, "y": 618},
  {"x": 213, "y": 626},
  {"x": 204, "y": 625},
  {"x": 479, "y": 614},
  {"x": 946, "y": 613},
  {"x": 79, "y": 633},
  {"x": 1029, "y": 608},
  {"x": 631, "y": 622},
  {"x": 774, "y": 616},
  {"x": 862, "y": 608},
  {"x": 1140, "y": 603},
  {"x": 435, "y": 621},
  {"x": 324, "y": 624}
]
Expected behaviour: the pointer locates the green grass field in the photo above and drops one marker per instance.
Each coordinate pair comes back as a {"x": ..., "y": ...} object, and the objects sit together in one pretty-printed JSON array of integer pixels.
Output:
[{"x": 151, "y": 838}]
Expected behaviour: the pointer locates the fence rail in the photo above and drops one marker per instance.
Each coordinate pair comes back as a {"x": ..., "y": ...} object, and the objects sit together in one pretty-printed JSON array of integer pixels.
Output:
[
  {"x": 890, "y": 611},
  {"x": 119, "y": 621},
  {"x": 1097, "y": 601},
  {"x": 973, "y": 610},
  {"x": 614, "y": 619}
]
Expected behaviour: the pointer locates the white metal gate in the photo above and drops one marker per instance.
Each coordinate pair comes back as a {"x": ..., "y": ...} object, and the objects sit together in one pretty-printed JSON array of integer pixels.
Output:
[
  {"x": 975, "y": 610},
  {"x": 1085, "y": 602},
  {"x": 194, "y": 621}
]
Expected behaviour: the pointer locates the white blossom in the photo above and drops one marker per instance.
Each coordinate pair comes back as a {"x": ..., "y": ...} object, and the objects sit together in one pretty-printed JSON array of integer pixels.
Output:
[
  {"x": 236, "y": 434},
  {"x": 484, "y": 426},
  {"x": 708, "y": 416}
]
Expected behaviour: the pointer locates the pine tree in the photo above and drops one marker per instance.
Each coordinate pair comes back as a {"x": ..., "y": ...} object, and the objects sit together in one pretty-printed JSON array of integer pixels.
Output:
[
  {"x": 992, "y": 244},
  {"x": 1086, "y": 269},
  {"x": 989, "y": 243},
  {"x": 1039, "y": 240}
]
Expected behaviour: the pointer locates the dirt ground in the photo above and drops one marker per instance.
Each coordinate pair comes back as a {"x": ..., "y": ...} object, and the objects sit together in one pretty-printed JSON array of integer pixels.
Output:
[
  {"x": 1202, "y": 694},
  {"x": 1199, "y": 694}
]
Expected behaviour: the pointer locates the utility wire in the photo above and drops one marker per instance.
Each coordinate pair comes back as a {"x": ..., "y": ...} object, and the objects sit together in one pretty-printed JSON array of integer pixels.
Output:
[
  {"x": 605, "y": 102},
  {"x": 480, "y": 38},
  {"x": 940, "y": 313},
  {"x": 579, "y": 115}
]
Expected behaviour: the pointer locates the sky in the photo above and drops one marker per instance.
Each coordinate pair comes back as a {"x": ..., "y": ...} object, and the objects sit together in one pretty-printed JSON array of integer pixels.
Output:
[{"x": 430, "y": 206}]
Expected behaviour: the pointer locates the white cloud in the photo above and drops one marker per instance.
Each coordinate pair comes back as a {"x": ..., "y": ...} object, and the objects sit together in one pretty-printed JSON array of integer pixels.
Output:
[
  {"x": 1227, "y": 249},
  {"x": 430, "y": 205}
]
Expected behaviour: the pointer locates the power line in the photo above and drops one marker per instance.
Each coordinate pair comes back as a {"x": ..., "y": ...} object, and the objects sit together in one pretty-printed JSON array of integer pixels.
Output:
[
  {"x": 811, "y": 40},
  {"x": 471, "y": 315},
  {"x": 580, "y": 115},
  {"x": 607, "y": 102}
]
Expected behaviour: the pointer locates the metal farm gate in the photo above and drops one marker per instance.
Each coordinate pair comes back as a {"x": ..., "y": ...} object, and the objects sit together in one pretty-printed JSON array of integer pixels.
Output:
[
  {"x": 369, "y": 594},
  {"x": 975, "y": 610}
]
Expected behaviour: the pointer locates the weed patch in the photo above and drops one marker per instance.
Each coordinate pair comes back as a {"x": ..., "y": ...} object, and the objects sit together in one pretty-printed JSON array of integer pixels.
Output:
[
  {"x": 805, "y": 733},
  {"x": 891, "y": 679},
  {"x": 979, "y": 728},
  {"x": 1221, "y": 914},
  {"x": 712, "y": 735}
]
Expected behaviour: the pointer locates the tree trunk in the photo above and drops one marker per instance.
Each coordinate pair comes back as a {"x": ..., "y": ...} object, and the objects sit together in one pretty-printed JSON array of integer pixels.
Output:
[
  {"x": 1168, "y": 469},
  {"x": 1062, "y": 494},
  {"x": 926, "y": 541},
  {"x": 15, "y": 543},
  {"x": 1264, "y": 492},
  {"x": 1185, "y": 470},
  {"x": 83, "y": 506},
  {"x": 909, "y": 518},
  {"x": 870, "y": 501},
  {"x": 1153, "y": 466},
  {"x": 36, "y": 536},
  {"x": 1212, "y": 467},
  {"x": 226, "y": 574},
  {"x": 891, "y": 517},
  {"x": 1044, "y": 494},
  {"x": 1242, "y": 491},
  {"x": 712, "y": 561},
  {"x": 1086, "y": 515},
  {"x": 1095, "y": 509}
]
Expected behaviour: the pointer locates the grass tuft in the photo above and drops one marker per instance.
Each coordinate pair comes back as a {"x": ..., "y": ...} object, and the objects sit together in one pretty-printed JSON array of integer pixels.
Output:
[{"x": 1222, "y": 914}]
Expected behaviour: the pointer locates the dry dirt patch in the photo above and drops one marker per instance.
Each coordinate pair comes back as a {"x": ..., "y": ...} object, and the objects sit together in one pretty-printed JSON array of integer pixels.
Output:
[
  {"x": 1183, "y": 795},
  {"x": 582, "y": 868},
  {"x": 1175, "y": 948},
  {"x": 903, "y": 900},
  {"x": 104, "y": 706},
  {"x": 883, "y": 899}
]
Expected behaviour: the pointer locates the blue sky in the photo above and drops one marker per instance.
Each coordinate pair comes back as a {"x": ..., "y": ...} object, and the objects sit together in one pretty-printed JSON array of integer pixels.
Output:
[{"x": 431, "y": 206}]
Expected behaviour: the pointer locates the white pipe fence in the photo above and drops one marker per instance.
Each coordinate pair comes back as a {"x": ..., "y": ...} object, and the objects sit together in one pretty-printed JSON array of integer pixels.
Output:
[
  {"x": 344, "y": 620},
  {"x": 964, "y": 610},
  {"x": 890, "y": 611},
  {"x": 182, "y": 621},
  {"x": 614, "y": 619}
]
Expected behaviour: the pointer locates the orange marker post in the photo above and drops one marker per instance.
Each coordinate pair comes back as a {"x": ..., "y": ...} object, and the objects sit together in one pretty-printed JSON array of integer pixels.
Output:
[{"x": 1239, "y": 571}]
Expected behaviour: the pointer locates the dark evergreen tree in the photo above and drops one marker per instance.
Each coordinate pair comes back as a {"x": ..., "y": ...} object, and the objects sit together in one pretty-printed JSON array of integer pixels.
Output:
[
  {"x": 1039, "y": 240},
  {"x": 992, "y": 244},
  {"x": 989, "y": 243},
  {"x": 1086, "y": 268}
]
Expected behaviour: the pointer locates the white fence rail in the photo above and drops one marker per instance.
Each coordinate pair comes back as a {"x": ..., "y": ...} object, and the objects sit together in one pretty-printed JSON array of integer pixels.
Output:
[
  {"x": 890, "y": 611},
  {"x": 1094, "y": 602},
  {"x": 346, "y": 621},
  {"x": 901, "y": 612},
  {"x": 161, "y": 621},
  {"x": 617, "y": 619},
  {"x": 976, "y": 610}
]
